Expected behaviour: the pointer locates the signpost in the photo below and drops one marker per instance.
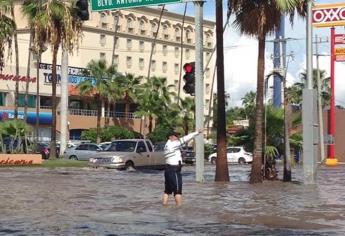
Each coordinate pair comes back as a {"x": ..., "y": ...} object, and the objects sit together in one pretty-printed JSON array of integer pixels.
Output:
[{"x": 102, "y": 5}]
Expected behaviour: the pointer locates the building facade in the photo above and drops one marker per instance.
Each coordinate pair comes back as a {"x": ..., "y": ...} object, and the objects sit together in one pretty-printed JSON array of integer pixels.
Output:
[{"x": 129, "y": 46}]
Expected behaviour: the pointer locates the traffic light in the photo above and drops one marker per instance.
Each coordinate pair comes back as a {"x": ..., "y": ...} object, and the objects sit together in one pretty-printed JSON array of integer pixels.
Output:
[
  {"x": 189, "y": 78},
  {"x": 83, "y": 9}
]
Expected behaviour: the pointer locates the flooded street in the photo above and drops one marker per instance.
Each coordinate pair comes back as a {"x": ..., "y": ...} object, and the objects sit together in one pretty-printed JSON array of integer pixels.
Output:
[{"x": 72, "y": 201}]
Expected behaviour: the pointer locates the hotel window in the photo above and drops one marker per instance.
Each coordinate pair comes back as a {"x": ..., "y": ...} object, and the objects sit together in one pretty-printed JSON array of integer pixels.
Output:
[
  {"x": 103, "y": 20},
  {"x": 187, "y": 53},
  {"x": 31, "y": 100},
  {"x": 130, "y": 26},
  {"x": 154, "y": 49},
  {"x": 176, "y": 68},
  {"x": 116, "y": 21},
  {"x": 2, "y": 99},
  {"x": 165, "y": 50},
  {"x": 142, "y": 27},
  {"x": 177, "y": 52},
  {"x": 154, "y": 29},
  {"x": 153, "y": 65},
  {"x": 209, "y": 44},
  {"x": 177, "y": 34},
  {"x": 188, "y": 36},
  {"x": 117, "y": 43},
  {"x": 164, "y": 66},
  {"x": 116, "y": 60},
  {"x": 207, "y": 104},
  {"x": 129, "y": 62},
  {"x": 208, "y": 55},
  {"x": 207, "y": 72},
  {"x": 141, "y": 63},
  {"x": 141, "y": 46},
  {"x": 129, "y": 44},
  {"x": 102, "y": 39},
  {"x": 176, "y": 83},
  {"x": 207, "y": 87},
  {"x": 102, "y": 56},
  {"x": 165, "y": 32}
]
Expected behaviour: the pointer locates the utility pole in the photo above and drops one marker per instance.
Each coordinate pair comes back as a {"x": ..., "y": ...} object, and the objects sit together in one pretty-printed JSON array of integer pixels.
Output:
[
  {"x": 199, "y": 89},
  {"x": 317, "y": 41},
  {"x": 64, "y": 101},
  {"x": 308, "y": 110}
]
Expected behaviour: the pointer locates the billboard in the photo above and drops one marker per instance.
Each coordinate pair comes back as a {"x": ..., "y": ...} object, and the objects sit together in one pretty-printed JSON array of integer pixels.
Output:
[{"x": 328, "y": 15}]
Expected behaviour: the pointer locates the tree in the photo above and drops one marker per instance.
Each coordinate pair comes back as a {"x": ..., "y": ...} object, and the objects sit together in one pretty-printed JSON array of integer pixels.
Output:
[
  {"x": 155, "y": 99},
  {"x": 97, "y": 85},
  {"x": 7, "y": 29},
  {"x": 264, "y": 19},
  {"x": 130, "y": 85},
  {"x": 187, "y": 109},
  {"x": 59, "y": 25}
]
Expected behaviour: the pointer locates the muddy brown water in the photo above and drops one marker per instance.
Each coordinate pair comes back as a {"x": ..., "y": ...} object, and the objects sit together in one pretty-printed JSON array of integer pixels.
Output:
[{"x": 72, "y": 201}]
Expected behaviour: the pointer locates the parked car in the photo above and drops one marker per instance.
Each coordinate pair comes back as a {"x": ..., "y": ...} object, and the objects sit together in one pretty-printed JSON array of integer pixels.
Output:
[
  {"x": 105, "y": 145},
  {"x": 44, "y": 150},
  {"x": 126, "y": 153},
  {"x": 234, "y": 155},
  {"x": 82, "y": 152},
  {"x": 188, "y": 157}
]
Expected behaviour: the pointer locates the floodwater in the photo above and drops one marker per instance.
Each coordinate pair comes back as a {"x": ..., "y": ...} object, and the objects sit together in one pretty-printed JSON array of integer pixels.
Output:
[{"x": 85, "y": 201}]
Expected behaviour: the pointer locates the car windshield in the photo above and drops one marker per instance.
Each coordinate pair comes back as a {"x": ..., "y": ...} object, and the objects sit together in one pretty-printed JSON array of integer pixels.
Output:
[{"x": 122, "y": 146}]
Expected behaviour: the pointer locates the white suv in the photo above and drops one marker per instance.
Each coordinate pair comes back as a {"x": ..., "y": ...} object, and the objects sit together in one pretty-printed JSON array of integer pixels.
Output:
[{"x": 234, "y": 155}]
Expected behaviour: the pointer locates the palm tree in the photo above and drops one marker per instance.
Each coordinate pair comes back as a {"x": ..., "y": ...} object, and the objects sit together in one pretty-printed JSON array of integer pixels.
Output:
[
  {"x": 187, "y": 109},
  {"x": 114, "y": 93},
  {"x": 154, "y": 99},
  {"x": 102, "y": 74},
  {"x": 130, "y": 87},
  {"x": 7, "y": 29},
  {"x": 7, "y": 6},
  {"x": 59, "y": 24},
  {"x": 264, "y": 19}
]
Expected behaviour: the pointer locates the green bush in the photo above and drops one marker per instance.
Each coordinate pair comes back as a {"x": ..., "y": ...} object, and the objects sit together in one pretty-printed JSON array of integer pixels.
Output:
[
  {"x": 107, "y": 134},
  {"x": 159, "y": 134}
]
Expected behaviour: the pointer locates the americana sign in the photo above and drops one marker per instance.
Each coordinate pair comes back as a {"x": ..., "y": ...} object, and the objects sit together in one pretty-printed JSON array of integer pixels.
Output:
[
  {"x": 102, "y": 5},
  {"x": 328, "y": 15}
]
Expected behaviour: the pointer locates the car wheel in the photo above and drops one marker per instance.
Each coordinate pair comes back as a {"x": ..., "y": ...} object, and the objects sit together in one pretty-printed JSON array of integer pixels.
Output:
[
  {"x": 241, "y": 161},
  {"x": 213, "y": 160},
  {"x": 129, "y": 164},
  {"x": 73, "y": 158}
]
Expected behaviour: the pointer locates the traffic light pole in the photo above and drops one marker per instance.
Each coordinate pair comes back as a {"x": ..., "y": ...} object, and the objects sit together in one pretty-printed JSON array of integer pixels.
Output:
[{"x": 199, "y": 89}]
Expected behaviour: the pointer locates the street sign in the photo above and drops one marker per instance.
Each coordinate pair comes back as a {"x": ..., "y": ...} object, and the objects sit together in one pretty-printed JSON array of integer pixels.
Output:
[
  {"x": 102, "y": 5},
  {"x": 339, "y": 51},
  {"x": 328, "y": 15},
  {"x": 339, "y": 39}
]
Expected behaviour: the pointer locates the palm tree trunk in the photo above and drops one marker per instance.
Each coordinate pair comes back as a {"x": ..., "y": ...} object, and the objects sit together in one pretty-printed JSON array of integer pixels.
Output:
[
  {"x": 116, "y": 22},
  {"x": 38, "y": 96},
  {"x": 99, "y": 113},
  {"x": 16, "y": 93},
  {"x": 256, "y": 172},
  {"x": 107, "y": 115},
  {"x": 54, "y": 102},
  {"x": 181, "y": 57},
  {"x": 27, "y": 81},
  {"x": 150, "y": 123},
  {"x": 287, "y": 164},
  {"x": 154, "y": 42},
  {"x": 222, "y": 172}
]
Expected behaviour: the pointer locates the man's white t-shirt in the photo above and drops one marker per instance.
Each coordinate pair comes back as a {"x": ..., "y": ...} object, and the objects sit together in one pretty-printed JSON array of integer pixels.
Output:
[{"x": 172, "y": 151}]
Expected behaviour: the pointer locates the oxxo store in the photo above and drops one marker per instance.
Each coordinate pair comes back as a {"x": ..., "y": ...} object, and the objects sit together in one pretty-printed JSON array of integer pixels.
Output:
[{"x": 82, "y": 113}]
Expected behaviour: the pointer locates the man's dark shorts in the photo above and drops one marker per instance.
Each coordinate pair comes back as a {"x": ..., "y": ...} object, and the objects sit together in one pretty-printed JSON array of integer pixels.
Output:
[{"x": 173, "y": 180}]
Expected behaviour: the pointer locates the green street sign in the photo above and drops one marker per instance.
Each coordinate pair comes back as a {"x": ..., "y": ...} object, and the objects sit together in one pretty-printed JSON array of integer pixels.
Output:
[{"x": 102, "y": 5}]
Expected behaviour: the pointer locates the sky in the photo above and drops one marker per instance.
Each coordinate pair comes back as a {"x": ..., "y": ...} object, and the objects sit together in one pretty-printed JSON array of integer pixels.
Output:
[{"x": 240, "y": 54}]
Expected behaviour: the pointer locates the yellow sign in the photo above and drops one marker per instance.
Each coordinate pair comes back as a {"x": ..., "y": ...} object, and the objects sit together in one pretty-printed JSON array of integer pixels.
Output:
[{"x": 340, "y": 51}]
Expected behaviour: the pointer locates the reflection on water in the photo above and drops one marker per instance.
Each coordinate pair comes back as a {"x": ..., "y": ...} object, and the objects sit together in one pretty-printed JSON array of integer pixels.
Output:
[{"x": 67, "y": 201}]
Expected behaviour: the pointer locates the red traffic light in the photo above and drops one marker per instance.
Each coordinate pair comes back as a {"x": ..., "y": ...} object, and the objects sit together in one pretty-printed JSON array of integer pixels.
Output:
[{"x": 188, "y": 68}]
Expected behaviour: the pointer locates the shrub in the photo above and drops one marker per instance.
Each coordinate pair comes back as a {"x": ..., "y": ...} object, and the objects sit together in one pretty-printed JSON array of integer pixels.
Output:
[{"x": 108, "y": 133}]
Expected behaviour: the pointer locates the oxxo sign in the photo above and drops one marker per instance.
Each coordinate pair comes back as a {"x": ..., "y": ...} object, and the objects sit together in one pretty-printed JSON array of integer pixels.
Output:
[{"x": 327, "y": 15}]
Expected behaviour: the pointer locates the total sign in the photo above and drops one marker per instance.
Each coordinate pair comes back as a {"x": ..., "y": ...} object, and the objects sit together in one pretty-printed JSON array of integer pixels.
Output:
[{"x": 327, "y": 15}]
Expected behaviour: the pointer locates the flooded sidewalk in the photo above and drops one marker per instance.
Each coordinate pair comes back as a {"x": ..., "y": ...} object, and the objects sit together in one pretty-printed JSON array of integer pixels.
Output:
[{"x": 84, "y": 201}]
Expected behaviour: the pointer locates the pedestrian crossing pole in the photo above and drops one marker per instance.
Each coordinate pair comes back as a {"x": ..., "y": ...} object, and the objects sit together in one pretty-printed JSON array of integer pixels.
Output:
[{"x": 199, "y": 90}]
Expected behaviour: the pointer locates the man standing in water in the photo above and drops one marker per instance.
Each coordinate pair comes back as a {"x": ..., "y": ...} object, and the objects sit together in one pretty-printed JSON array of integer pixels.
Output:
[{"x": 173, "y": 160}]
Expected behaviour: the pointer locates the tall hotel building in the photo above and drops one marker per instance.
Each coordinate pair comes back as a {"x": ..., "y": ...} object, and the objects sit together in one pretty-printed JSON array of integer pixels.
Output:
[{"x": 134, "y": 36}]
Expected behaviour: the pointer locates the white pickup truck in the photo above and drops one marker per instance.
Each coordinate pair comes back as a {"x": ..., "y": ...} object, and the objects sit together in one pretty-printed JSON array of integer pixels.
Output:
[{"x": 125, "y": 153}]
